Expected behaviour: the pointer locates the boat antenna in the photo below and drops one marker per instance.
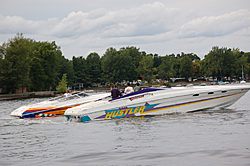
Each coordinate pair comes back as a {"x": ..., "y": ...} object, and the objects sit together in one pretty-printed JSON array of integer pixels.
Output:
[{"x": 242, "y": 73}]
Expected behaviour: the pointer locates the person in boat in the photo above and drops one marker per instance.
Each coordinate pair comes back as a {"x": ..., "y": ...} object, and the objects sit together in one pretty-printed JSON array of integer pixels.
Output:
[
  {"x": 69, "y": 93},
  {"x": 136, "y": 88},
  {"x": 129, "y": 89},
  {"x": 65, "y": 94},
  {"x": 115, "y": 92}
]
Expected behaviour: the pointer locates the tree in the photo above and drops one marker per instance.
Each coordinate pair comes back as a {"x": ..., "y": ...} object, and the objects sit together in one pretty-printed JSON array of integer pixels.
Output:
[
  {"x": 187, "y": 69},
  {"x": 145, "y": 67},
  {"x": 212, "y": 63},
  {"x": 176, "y": 66},
  {"x": 63, "y": 84},
  {"x": 15, "y": 69},
  {"x": 94, "y": 67},
  {"x": 165, "y": 70},
  {"x": 157, "y": 60},
  {"x": 193, "y": 56},
  {"x": 5, "y": 74},
  {"x": 37, "y": 75},
  {"x": 63, "y": 66},
  {"x": 228, "y": 65},
  {"x": 247, "y": 55},
  {"x": 136, "y": 56},
  {"x": 242, "y": 61},
  {"x": 81, "y": 71},
  {"x": 221, "y": 62},
  {"x": 47, "y": 54},
  {"x": 117, "y": 66},
  {"x": 197, "y": 68}
]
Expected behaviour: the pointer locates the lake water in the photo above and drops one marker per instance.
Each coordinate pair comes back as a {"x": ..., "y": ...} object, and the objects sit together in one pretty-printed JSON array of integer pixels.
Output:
[{"x": 213, "y": 137}]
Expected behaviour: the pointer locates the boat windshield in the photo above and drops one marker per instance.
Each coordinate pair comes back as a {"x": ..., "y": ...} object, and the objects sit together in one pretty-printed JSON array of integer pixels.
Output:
[
  {"x": 69, "y": 98},
  {"x": 55, "y": 98},
  {"x": 73, "y": 96},
  {"x": 82, "y": 94}
]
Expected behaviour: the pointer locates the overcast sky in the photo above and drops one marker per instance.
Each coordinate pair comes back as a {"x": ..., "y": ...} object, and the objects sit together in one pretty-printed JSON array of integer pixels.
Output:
[{"x": 80, "y": 27}]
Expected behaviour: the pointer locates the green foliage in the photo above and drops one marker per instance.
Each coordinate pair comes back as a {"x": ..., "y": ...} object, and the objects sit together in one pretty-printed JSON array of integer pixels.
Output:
[
  {"x": 165, "y": 69},
  {"x": 5, "y": 74},
  {"x": 176, "y": 61},
  {"x": 145, "y": 68},
  {"x": 94, "y": 67},
  {"x": 187, "y": 69},
  {"x": 117, "y": 66},
  {"x": 37, "y": 75},
  {"x": 136, "y": 56},
  {"x": 157, "y": 60},
  {"x": 221, "y": 62},
  {"x": 247, "y": 64},
  {"x": 197, "y": 69},
  {"x": 192, "y": 56},
  {"x": 64, "y": 65},
  {"x": 62, "y": 85},
  {"x": 15, "y": 67},
  {"x": 36, "y": 65},
  {"x": 41, "y": 65},
  {"x": 47, "y": 53},
  {"x": 81, "y": 71}
]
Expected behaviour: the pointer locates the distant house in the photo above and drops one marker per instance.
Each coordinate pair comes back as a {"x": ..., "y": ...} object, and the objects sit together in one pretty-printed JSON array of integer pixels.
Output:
[{"x": 22, "y": 89}]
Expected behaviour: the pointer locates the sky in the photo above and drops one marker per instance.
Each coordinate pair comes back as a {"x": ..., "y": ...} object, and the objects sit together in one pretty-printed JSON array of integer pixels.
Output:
[{"x": 161, "y": 27}]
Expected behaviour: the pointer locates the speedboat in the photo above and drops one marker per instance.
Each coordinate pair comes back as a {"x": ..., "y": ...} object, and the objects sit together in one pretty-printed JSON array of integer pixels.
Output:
[
  {"x": 56, "y": 105},
  {"x": 159, "y": 101}
]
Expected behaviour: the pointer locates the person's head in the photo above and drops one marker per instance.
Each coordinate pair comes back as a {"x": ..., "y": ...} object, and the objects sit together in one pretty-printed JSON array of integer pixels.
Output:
[
  {"x": 115, "y": 86},
  {"x": 128, "y": 84},
  {"x": 137, "y": 83},
  {"x": 69, "y": 91}
]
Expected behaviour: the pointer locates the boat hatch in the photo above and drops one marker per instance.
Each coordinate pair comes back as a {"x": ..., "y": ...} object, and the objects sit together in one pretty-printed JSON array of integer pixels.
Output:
[
  {"x": 210, "y": 93},
  {"x": 196, "y": 95},
  {"x": 223, "y": 91}
]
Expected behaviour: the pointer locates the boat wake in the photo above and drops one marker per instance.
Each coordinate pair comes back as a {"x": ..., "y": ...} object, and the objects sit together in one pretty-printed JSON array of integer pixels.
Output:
[{"x": 26, "y": 122}]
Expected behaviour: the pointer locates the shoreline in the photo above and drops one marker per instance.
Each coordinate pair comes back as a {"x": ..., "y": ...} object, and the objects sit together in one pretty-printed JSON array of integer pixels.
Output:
[
  {"x": 40, "y": 94},
  {"x": 27, "y": 95}
]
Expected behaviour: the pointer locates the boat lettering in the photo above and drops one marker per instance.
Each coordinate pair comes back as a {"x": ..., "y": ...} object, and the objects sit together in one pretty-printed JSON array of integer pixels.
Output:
[
  {"x": 136, "y": 97},
  {"x": 117, "y": 113}
]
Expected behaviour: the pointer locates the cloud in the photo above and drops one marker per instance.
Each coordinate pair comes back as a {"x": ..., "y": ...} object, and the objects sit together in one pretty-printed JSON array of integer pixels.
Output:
[
  {"x": 154, "y": 25},
  {"x": 212, "y": 26},
  {"x": 15, "y": 24},
  {"x": 148, "y": 19},
  {"x": 147, "y": 22}
]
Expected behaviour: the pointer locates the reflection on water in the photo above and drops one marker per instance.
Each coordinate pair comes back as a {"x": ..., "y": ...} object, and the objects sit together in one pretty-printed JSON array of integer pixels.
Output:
[{"x": 213, "y": 137}]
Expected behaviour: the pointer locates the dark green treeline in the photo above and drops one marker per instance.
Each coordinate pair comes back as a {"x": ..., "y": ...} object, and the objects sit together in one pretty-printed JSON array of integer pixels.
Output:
[{"x": 41, "y": 65}]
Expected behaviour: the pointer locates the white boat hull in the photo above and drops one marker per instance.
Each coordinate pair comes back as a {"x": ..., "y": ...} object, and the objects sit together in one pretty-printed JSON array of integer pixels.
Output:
[
  {"x": 160, "y": 101},
  {"x": 54, "y": 107}
]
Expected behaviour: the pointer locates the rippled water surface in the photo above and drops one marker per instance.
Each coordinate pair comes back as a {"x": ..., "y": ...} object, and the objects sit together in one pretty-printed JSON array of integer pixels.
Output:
[{"x": 213, "y": 137}]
